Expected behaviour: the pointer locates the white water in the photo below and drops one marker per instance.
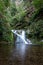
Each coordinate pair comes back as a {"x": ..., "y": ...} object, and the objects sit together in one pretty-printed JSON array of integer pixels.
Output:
[
  {"x": 21, "y": 37},
  {"x": 23, "y": 34}
]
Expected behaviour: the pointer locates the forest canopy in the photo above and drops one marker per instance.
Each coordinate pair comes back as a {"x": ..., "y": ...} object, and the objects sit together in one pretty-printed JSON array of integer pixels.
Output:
[{"x": 21, "y": 14}]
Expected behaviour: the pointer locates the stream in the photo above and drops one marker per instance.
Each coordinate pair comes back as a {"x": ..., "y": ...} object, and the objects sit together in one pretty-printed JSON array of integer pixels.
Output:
[{"x": 22, "y": 53}]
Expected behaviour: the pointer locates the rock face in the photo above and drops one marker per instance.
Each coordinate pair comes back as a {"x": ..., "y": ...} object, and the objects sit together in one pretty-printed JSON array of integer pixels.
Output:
[{"x": 21, "y": 55}]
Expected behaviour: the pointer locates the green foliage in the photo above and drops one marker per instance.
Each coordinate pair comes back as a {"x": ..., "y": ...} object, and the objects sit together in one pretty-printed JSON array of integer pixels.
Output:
[
  {"x": 7, "y": 3},
  {"x": 12, "y": 15},
  {"x": 37, "y": 15},
  {"x": 18, "y": 12},
  {"x": 2, "y": 6},
  {"x": 5, "y": 28},
  {"x": 5, "y": 31},
  {"x": 36, "y": 28},
  {"x": 38, "y": 3},
  {"x": 8, "y": 36}
]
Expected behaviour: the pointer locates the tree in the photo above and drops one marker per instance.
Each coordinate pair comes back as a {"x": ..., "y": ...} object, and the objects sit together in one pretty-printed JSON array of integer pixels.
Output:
[
  {"x": 36, "y": 19},
  {"x": 5, "y": 28}
]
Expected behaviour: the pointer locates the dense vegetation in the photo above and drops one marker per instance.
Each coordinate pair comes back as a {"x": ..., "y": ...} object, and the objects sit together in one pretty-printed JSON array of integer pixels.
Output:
[{"x": 21, "y": 15}]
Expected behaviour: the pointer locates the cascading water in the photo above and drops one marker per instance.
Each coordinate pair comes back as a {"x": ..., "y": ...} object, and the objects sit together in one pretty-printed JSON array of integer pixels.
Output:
[
  {"x": 23, "y": 34},
  {"x": 21, "y": 37}
]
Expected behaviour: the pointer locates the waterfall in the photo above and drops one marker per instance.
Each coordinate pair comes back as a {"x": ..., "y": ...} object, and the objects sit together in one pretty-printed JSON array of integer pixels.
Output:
[
  {"x": 21, "y": 37},
  {"x": 23, "y": 34}
]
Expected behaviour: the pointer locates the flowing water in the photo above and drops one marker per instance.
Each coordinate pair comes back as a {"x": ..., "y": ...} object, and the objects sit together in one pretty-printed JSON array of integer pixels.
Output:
[
  {"x": 22, "y": 52},
  {"x": 21, "y": 37}
]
